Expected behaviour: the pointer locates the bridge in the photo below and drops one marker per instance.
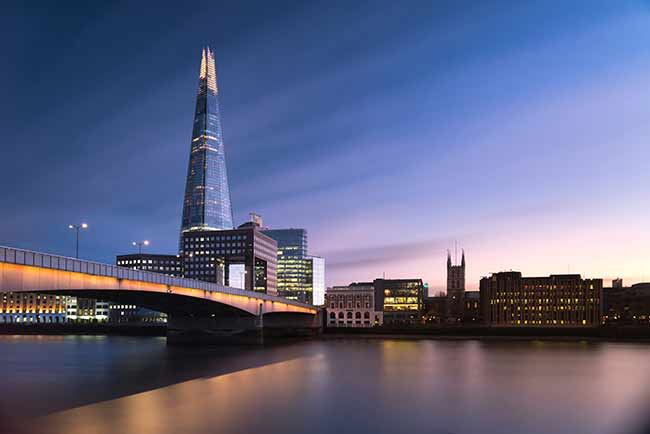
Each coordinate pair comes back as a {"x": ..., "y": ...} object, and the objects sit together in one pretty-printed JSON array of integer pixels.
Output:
[{"x": 197, "y": 311}]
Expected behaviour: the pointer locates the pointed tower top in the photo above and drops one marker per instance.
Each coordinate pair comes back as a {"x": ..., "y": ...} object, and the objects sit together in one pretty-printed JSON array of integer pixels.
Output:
[
  {"x": 462, "y": 261},
  {"x": 448, "y": 259},
  {"x": 208, "y": 70}
]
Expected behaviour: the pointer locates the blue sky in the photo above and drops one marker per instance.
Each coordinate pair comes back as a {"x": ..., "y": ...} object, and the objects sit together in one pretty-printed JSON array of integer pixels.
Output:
[{"x": 387, "y": 129}]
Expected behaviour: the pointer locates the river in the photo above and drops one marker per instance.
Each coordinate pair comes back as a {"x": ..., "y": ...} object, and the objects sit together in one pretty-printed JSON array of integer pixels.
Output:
[{"x": 99, "y": 384}]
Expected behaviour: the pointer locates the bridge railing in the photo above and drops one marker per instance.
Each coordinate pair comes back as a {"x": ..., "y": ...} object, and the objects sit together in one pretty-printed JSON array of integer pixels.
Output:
[{"x": 45, "y": 260}]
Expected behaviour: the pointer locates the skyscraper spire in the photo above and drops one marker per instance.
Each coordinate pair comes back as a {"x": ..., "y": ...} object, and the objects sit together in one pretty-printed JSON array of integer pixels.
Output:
[
  {"x": 462, "y": 261},
  {"x": 206, "y": 204}
]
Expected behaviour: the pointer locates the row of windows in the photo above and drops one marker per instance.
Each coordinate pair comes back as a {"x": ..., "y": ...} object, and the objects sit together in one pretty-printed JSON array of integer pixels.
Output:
[
  {"x": 213, "y": 238},
  {"x": 349, "y": 305},
  {"x": 147, "y": 261},
  {"x": 349, "y": 315}
]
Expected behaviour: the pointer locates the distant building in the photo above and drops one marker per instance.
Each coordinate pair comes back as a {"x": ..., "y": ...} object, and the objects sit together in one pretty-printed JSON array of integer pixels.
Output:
[
  {"x": 401, "y": 300},
  {"x": 435, "y": 309},
  {"x": 316, "y": 278},
  {"x": 86, "y": 310},
  {"x": 508, "y": 299},
  {"x": 19, "y": 307},
  {"x": 617, "y": 283},
  {"x": 243, "y": 257},
  {"x": 455, "y": 288},
  {"x": 165, "y": 264},
  {"x": 471, "y": 307},
  {"x": 627, "y": 305},
  {"x": 352, "y": 306},
  {"x": 171, "y": 265}
]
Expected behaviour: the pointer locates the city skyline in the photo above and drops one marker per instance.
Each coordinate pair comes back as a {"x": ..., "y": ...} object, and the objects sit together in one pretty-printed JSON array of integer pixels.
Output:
[{"x": 509, "y": 147}]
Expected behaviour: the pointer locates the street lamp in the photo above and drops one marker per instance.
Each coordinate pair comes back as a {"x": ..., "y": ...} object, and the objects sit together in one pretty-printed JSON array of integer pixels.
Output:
[
  {"x": 140, "y": 244},
  {"x": 76, "y": 228}
]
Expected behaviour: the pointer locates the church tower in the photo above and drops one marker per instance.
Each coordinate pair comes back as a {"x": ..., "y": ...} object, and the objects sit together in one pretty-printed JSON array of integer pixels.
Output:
[{"x": 455, "y": 288}]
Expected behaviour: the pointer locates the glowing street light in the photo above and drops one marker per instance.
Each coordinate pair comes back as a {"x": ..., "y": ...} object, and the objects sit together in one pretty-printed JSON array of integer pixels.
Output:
[
  {"x": 140, "y": 244},
  {"x": 76, "y": 228}
]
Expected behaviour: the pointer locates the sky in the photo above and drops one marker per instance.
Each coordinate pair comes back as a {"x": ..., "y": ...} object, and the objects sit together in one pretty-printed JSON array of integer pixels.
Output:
[{"x": 389, "y": 130}]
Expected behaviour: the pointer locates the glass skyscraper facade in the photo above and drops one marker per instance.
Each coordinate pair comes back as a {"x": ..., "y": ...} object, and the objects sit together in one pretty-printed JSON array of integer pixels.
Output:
[
  {"x": 206, "y": 204},
  {"x": 294, "y": 267}
]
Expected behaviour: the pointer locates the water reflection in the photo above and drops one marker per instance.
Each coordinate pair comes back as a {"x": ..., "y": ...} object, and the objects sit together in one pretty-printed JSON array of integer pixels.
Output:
[{"x": 346, "y": 386}]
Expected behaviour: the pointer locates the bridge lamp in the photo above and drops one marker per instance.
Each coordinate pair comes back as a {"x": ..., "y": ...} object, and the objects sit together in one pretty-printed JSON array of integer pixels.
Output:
[
  {"x": 140, "y": 244},
  {"x": 77, "y": 227}
]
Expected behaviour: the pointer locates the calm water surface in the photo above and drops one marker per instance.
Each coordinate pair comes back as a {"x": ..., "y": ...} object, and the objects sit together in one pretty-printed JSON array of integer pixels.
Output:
[{"x": 138, "y": 385}]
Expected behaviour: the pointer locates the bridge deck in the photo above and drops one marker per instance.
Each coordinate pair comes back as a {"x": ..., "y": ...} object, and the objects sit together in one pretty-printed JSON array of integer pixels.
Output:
[{"x": 34, "y": 271}]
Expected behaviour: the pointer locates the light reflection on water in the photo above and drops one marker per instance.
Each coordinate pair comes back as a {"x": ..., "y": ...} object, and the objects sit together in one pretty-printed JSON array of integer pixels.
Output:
[{"x": 138, "y": 385}]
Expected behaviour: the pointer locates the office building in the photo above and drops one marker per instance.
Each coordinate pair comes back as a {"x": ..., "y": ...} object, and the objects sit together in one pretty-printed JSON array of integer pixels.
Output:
[
  {"x": 301, "y": 277},
  {"x": 244, "y": 257},
  {"x": 627, "y": 305},
  {"x": 294, "y": 270},
  {"x": 316, "y": 278},
  {"x": 566, "y": 300},
  {"x": 352, "y": 306},
  {"x": 30, "y": 308},
  {"x": 123, "y": 313},
  {"x": 86, "y": 310},
  {"x": 206, "y": 203},
  {"x": 165, "y": 264},
  {"x": 401, "y": 300}
]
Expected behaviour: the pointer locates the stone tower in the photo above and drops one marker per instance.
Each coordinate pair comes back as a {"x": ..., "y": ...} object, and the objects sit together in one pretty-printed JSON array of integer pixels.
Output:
[{"x": 455, "y": 288}]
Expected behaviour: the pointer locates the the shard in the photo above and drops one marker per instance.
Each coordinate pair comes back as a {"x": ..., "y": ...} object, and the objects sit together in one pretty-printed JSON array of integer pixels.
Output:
[{"x": 206, "y": 205}]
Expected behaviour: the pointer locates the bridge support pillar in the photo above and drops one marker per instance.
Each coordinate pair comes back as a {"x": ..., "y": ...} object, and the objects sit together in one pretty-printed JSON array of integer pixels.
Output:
[{"x": 185, "y": 329}]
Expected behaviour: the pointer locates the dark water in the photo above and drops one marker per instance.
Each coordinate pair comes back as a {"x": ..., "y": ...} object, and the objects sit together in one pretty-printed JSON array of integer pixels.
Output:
[{"x": 138, "y": 385}]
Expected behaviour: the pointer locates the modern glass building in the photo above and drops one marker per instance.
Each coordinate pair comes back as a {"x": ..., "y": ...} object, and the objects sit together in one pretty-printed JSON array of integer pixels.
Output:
[
  {"x": 294, "y": 266},
  {"x": 206, "y": 204}
]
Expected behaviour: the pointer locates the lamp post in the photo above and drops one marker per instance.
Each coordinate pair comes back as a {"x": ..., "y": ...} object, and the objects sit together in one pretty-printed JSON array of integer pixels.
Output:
[
  {"x": 76, "y": 228},
  {"x": 140, "y": 244}
]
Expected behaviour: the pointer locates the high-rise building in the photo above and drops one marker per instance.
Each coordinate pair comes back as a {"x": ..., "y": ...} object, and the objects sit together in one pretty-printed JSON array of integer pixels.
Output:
[
  {"x": 243, "y": 257},
  {"x": 455, "y": 288},
  {"x": 206, "y": 204},
  {"x": 293, "y": 268},
  {"x": 300, "y": 277},
  {"x": 565, "y": 300}
]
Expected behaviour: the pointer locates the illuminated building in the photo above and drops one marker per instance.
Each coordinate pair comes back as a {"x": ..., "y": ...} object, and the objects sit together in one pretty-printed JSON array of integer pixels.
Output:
[
  {"x": 293, "y": 268},
  {"x": 401, "y": 300},
  {"x": 565, "y": 300},
  {"x": 455, "y": 289},
  {"x": 165, "y": 264},
  {"x": 32, "y": 308},
  {"x": 243, "y": 258},
  {"x": 352, "y": 306},
  {"x": 300, "y": 277},
  {"x": 206, "y": 203},
  {"x": 627, "y": 305},
  {"x": 316, "y": 278}
]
